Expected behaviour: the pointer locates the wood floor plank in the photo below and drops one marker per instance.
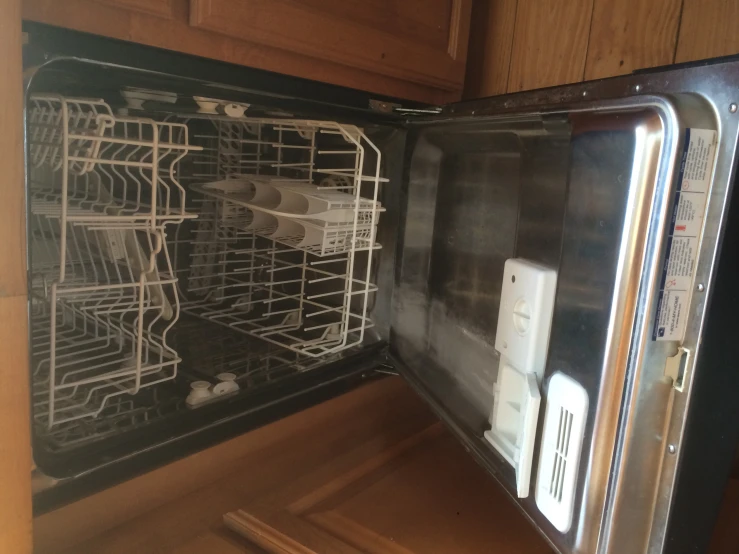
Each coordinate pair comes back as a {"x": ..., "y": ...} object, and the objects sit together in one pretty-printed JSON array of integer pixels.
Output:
[
  {"x": 258, "y": 532},
  {"x": 426, "y": 498},
  {"x": 313, "y": 434},
  {"x": 223, "y": 477},
  {"x": 214, "y": 543}
]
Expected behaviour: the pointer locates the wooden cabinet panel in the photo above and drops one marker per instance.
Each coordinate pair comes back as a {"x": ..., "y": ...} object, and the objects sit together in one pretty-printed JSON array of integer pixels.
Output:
[
  {"x": 551, "y": 38},
  {"x": 631, "y": 34},
  {"x": 489, "y": 54},
  {"x": 182, "y": 500},
  {"x": 12, "y": 190},
  {"x": 144, "y": 22},
  {"x": 708, "y": 29},
  {"x": 215, "y": 543},
  {"x": 15, "y": 415},
  {"x": 15, "y": 440},
  {"x": 420, "y": 40},
  {"x": 549, "y": 44},
  {"x": 368, "y": 465},
  {"x": 370, "y": 471},
  {"x": 157, "y": 7},
  {"x": 422, "y": 495}
]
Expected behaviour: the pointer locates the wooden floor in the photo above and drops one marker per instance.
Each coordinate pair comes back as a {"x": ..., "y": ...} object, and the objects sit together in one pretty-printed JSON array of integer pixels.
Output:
[
  {"x": 374, "y": 461},
  {"x": 372, "y": 471}
]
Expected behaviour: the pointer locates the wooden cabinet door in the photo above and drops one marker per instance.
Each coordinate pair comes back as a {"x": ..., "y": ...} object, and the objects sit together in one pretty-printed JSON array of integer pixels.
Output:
[
  {"x": 15, "y": 441},
  {"x": 421, "y": 495},
  {"x": 423, "y": 41}
]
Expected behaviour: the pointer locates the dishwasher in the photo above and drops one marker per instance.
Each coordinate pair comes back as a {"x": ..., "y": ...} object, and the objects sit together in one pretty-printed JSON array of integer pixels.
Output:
[{"x": 212, "y": 248}]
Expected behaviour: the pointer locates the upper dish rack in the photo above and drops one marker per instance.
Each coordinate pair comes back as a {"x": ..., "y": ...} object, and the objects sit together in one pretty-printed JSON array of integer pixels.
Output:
[{"x": 104, "y": 296}]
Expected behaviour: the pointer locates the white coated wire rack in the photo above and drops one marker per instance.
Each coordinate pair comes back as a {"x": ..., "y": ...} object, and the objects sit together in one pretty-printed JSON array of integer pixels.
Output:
[
  {"x": 210, "y": 350},
  {"x": 95, "y": 167},
  {"x": 207, "y": 351},
  {"x": 121, "y": 414},
  {"x": 283, "y": 248},
  {"x": 102, "y": 190}
]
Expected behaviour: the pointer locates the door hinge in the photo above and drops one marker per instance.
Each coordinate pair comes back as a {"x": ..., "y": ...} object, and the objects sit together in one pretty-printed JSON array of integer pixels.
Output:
[
  {"x": 391, "y": 107},
  {"x": 382, "y": 106},
  {"x": 386, "y": 368},
  {"x": 432, "y": 110}
]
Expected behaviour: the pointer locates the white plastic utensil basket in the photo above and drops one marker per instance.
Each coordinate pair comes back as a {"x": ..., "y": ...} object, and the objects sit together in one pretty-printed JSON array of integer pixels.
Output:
[{"x": 301, "y": 215}]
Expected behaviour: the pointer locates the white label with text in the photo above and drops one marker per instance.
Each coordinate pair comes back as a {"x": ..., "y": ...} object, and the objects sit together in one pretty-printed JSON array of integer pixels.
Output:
[{"x": 686, "y": 224}]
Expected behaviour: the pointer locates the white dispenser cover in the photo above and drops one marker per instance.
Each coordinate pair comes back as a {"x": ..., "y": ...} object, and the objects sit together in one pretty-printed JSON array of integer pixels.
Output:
[
  {"x": 522, "y": 339},
  {"x": 561, "y": 442},
  {"x": 513, "y": 430},
  {"x": 525, "y": 316}
]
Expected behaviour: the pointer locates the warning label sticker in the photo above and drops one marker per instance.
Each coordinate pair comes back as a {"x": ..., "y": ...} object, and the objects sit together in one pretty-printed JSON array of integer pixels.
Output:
[
  {"x": 671, "y": 314},
  {"x": 681, "y": 263},
  {"x": 688, "y": 210}
]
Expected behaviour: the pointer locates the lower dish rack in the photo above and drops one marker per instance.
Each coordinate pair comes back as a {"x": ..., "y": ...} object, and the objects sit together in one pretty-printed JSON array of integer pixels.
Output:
[{"x": 275, "y": 255}]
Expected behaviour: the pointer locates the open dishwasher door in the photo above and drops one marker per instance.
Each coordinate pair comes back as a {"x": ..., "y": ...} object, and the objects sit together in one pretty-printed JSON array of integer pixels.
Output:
[{"x": 569, "y": 384}]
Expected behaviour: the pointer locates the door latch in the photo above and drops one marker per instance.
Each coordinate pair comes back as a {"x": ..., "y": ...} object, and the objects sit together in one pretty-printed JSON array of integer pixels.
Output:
[{"x": 675, "y": 368}]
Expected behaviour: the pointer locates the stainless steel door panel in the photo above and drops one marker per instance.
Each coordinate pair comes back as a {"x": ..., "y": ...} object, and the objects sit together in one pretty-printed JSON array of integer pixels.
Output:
[
  {"x": 653, "y": 416},
  {"x": 585, "y": 191}
]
